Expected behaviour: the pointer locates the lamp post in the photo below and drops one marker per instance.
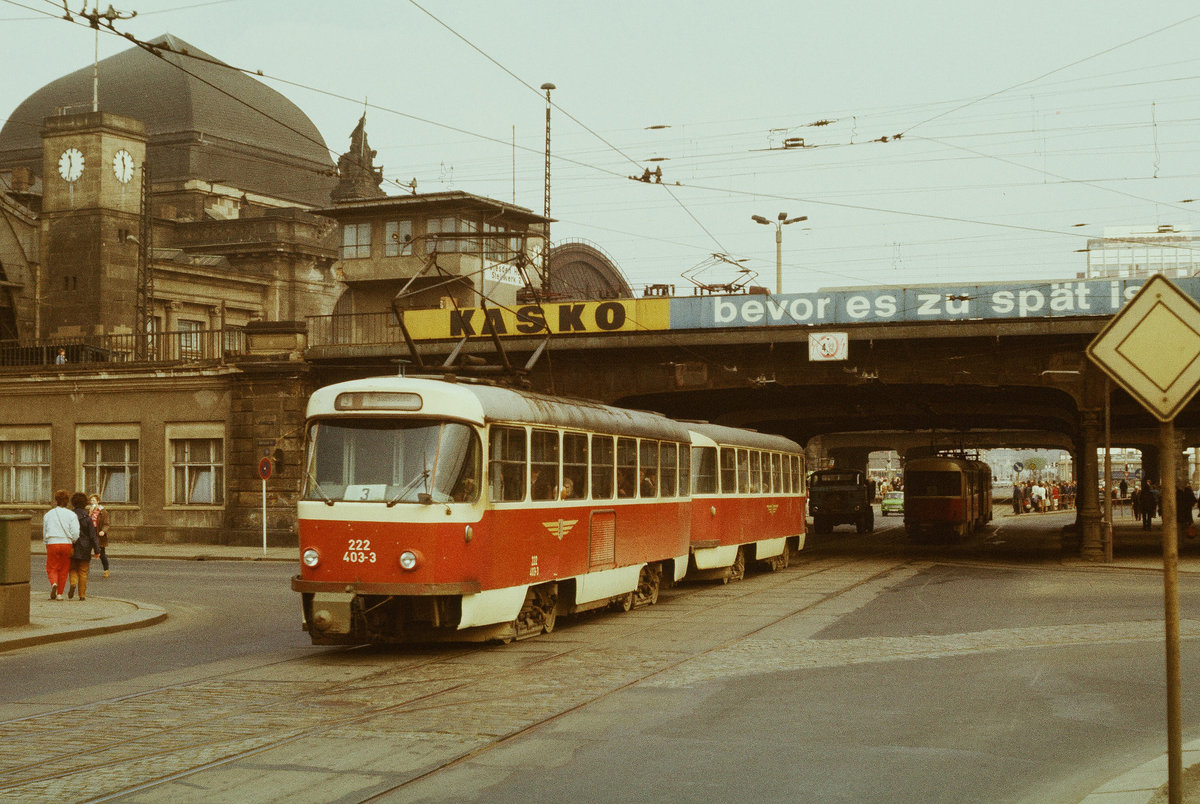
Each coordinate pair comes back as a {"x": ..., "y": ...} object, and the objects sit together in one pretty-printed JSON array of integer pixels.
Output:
[{"x": 783, "y": 221}]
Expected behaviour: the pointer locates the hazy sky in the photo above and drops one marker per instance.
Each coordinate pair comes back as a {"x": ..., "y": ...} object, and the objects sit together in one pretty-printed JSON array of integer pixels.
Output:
[{"x": 1020, "y": 120}]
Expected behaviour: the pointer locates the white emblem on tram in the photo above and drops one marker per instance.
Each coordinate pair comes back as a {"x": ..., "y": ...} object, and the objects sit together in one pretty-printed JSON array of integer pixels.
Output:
[
  {"x": 771, "y": 509},
  {"x": 560, "y": 528}
]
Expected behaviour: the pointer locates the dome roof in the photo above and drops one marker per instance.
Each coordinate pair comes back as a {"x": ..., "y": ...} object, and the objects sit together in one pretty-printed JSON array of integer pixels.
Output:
[
  {"x": 581, "y": 270},
  {"x": 204, "y": 121}
]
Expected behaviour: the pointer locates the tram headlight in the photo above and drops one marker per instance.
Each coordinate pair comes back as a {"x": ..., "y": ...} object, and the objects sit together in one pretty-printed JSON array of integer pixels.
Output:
[
  {"x": 311, "y": 558},
  {"x": 408, "y": 560}
]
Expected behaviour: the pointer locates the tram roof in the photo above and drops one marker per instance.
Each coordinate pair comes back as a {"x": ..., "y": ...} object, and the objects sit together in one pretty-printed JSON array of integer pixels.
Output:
[
  {"x": 733, "y": 436},
  {"x": 480, "y": 404}
]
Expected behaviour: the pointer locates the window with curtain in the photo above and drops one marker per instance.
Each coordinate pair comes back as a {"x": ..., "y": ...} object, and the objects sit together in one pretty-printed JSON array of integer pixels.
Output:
[
  {"x": 110, "y": 468},
  {"x": 189, "y": 336},
  {"x": 356, "y": 241},
  {"x": 24, "y": 471},
  {"x": 198, "y": 471}
]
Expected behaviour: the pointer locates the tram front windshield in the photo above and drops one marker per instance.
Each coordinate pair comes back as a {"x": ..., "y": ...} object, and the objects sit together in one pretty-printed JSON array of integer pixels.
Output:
[
  {"x": 933, "y": 484},
  {"x": 392, "y": 461}
]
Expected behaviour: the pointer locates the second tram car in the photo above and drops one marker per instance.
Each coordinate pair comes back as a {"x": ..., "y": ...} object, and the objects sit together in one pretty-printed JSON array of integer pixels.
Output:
[
  {"x": 747, "y": 500},
  {"x": 438, "y": 510},
  {"x": 946, "y": 495}
]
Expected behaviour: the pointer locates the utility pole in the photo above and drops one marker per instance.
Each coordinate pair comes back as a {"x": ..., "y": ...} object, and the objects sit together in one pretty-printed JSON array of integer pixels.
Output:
[
  {"x": 546, "y": 197},
  {"x": 144, "y": 303}
]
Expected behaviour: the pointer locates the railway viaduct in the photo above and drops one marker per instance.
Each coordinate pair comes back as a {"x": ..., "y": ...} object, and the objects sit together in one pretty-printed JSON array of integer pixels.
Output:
[{"x": 970, "y": 380}]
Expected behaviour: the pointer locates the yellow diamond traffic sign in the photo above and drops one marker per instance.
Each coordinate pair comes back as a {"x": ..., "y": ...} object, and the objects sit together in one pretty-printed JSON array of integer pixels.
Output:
[{"x": 1152, "y": 347}]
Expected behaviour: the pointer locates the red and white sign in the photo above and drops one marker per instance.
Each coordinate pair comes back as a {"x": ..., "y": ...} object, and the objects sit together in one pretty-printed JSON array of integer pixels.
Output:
[{"x": 828, "y": 346}]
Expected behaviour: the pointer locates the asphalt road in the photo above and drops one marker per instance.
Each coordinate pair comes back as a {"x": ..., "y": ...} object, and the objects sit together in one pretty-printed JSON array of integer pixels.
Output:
[
  {"x": 218, "y": 612},
  {"x": 872, "y": 670}
]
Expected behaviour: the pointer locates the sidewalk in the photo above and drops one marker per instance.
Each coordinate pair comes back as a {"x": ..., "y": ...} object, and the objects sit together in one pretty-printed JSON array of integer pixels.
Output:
[{"x": 58, "y": 620}]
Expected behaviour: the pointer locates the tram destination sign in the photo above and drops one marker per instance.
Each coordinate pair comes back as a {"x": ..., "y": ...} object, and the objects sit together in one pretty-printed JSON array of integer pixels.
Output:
[{"x": 1152, "y": 348}]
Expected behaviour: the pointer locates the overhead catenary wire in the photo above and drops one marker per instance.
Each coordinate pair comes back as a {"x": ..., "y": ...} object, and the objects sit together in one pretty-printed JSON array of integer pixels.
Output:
[{"x": 604, "y": 174}]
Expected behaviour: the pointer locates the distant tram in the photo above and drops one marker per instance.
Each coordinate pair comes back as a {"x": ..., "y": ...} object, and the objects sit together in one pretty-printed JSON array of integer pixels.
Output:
[
  {"x": 437, "y": 510},
  {"x": 946, "y": 495}
]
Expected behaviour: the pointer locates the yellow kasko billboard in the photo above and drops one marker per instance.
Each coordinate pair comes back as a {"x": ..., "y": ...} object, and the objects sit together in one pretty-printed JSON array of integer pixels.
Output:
[{"x": 558, "y": 318}]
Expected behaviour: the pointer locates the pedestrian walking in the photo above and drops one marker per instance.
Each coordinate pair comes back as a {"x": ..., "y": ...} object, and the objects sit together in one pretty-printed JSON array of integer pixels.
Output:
[
  {"x": 60, "y": 530},
  {"x": 99, "y": 516},
  {"x": 85, "y": 546},
  {"x": 1185, "y": 501},
  {"x": 1147, "y": 504}
]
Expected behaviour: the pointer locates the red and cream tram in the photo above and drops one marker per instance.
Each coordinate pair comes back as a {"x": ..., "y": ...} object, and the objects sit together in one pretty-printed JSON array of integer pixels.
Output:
[
  {"x": 452, "y": 510},
  {"x": 747, "y": 500},
  {"x": 946, "y": 495}
]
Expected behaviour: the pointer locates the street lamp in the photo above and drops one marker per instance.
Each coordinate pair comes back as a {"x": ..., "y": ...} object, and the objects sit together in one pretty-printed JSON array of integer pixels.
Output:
[{"x": 783, "y": 221}]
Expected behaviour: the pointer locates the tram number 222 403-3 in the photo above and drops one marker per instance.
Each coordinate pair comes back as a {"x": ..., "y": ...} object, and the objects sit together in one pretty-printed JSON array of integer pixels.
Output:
[{"x": 358, "y": 551}]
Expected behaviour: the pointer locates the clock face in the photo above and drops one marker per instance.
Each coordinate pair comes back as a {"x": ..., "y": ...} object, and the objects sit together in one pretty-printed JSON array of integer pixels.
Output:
[
  {"x": 70, "y": 164},
  {"x": 123, "y": 166}
]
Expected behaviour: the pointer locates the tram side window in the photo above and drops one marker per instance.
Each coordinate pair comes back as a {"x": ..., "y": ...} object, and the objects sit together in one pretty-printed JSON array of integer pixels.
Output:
[
  {"x": 506, "y": 464},
  {"x": 667, "y": 469},
  {"x": 626, "y": 467},
  {"x": 685, "y": 470},
  {"x": 728, "y": 471},
  {"x": 756, "y": 472},
  {"x": 704, "y": 470},
  {"x": 603, "y": 466},
  {"x": 777, "y": 473},
  {"x": 789, "y": 480},
  {"x": 575, "y": 467},
  {"x": 543, "y": 465},
  {"x": 743, "y": 467},
  {"x": 798, "y": 474},
  {"x": 648, "y": 469}
]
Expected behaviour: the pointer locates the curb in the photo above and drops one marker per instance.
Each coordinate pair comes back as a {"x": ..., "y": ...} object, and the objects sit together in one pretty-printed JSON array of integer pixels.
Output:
[
  {"x": 146, "y": 615},
  {"x": 1140, "y": 784}
]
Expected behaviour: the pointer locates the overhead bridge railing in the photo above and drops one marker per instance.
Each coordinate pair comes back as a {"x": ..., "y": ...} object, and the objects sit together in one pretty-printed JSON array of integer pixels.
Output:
[
  {"x": 183, "y": 346},
  {"x": 353, "y": 329}
]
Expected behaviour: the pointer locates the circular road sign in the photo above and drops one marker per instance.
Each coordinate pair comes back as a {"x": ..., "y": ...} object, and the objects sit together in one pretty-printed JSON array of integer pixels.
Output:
[{"x": 264, "y": 468}]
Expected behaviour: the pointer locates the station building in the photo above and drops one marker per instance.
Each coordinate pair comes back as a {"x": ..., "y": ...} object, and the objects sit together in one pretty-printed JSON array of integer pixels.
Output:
[{"x": 177, "y": 243}]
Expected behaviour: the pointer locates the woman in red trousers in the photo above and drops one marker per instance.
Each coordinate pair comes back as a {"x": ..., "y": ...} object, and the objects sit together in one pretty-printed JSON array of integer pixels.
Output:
[{"x": 60, "y": 530}]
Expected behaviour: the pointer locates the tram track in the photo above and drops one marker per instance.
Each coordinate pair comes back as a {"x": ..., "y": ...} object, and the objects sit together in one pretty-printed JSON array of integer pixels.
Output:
[{"x": 586, "y": 665}]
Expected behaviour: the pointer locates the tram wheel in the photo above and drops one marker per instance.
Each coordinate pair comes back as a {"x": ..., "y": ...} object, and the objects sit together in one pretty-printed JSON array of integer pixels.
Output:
[
  {"x": 539, "y": 613},
  {"x": 738, "y": 570},
  {"x": 649, "y": 581}
]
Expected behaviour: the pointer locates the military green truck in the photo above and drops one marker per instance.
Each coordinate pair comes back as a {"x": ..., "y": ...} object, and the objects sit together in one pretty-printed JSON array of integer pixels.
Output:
[{"x": 841, "y": 497}]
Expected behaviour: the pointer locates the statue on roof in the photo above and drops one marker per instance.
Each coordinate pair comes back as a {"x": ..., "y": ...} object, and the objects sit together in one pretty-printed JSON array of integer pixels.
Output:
[{"x": 357, "y": 175}]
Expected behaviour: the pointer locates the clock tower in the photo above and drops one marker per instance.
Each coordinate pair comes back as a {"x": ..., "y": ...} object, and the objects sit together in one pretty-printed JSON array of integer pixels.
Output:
[{"x": 92, "y": 168}]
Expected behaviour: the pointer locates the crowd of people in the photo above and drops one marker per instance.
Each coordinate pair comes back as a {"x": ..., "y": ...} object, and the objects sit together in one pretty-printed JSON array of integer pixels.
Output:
[
  {"x": 1145, "y": 501},
  {"x": 1034, "y": 496},
  {"x": 74, "y": 531}
]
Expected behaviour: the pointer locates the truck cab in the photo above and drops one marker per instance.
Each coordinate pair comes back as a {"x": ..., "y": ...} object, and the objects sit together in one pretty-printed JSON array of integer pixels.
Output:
[{"x": 841, "y": 497}]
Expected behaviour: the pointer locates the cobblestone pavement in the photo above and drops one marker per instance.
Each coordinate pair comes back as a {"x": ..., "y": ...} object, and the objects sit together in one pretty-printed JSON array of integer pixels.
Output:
[
  {"x": 351, "y": 724},
  {"x": 286, "y": 731}
]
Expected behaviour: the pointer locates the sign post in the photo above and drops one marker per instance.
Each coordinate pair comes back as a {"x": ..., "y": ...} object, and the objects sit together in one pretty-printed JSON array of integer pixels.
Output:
[
  {"x": 1152, "y": 350},
  {"x": 264, "y": 472}
]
